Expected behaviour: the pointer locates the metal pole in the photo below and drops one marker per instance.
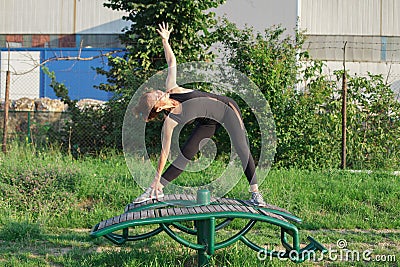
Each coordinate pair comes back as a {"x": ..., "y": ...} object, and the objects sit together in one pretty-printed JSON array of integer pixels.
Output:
[
  {"x": 6, "y": 107},
  {"x": 6, "y": 102},
  {"x": 205, "y": 231},
  {"x": 29, "y": 128},
  {"x": 344, "y": 109}
]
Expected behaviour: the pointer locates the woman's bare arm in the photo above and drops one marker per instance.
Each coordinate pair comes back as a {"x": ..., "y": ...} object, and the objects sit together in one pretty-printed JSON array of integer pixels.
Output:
[
  {"x": 169, "y": 56},
  {"x": 167, "y": 130}
]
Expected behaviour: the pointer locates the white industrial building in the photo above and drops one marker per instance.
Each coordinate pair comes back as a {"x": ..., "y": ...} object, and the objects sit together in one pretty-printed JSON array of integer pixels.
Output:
[
  {"x": 40, "y": 29},
  {"x": 59, "y": 23},
  {"x": 371, "y": 29}
]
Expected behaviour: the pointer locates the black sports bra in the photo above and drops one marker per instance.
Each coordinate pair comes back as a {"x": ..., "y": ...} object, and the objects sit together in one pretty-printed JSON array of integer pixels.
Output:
[{"x": 202, "y": 111}]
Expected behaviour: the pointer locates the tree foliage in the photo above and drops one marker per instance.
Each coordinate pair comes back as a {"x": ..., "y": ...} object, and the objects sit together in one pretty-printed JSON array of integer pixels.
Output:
[
  {"x": 373, "y": 123},
  {"x": 306, "y": 104},
  {"x": 270, "y": 61},
  {"x": 192, "y": 36}
]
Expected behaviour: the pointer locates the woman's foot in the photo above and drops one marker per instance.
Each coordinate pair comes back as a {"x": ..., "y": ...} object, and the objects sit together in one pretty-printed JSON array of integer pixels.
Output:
[{"x": 256, "y": 200}]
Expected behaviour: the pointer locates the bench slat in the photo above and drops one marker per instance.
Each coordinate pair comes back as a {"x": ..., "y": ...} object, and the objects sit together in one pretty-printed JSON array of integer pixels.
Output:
[
  {"x": 204, "y": 209},
  {"x": 140, "y": 215},
  {"x": 102, "y": 225},
  {"x": 116, "y": 219},
  {"x": 123, "y": 217},
  {"x": 225, "y": 208},
  {"x": 252, "y": 210},
  {"x": 218, "y": 208},
  {"x": 198, "y": 210},
  {"x": 272, "y": 215},
  {"x": 163, "y": 212},
  {"x": 273, "y": 207},
  {"x": 178, "y": 211},
  {"x": 171, "y": 212},
  {"x": 212, "y": 208},
  {"x": 184, "y": 210},
  {"x": 191, "y": 210},
  {"x": 228, "y": 201},
  {"x": 109, "y": 222}
]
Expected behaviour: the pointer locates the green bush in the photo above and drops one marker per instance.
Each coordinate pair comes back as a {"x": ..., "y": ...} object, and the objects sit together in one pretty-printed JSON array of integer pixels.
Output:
[
  {"x": 373, "y": 124},
  {"x": 306, "y": 104}
]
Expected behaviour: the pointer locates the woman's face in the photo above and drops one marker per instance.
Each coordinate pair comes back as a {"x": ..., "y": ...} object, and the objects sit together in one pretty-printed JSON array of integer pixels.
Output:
[
  {"x": 161, "y": 98},
  {"x": 158, "y": 94}
]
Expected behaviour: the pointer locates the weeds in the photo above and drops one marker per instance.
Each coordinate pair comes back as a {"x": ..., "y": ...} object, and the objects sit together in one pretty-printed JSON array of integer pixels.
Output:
[{"x": 20, "y": 231}]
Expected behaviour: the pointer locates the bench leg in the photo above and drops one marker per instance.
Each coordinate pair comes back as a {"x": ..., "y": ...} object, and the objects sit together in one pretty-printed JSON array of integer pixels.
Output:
[
  {"x": 205, "y": 232},
  {"x": 205, "y": 236}
]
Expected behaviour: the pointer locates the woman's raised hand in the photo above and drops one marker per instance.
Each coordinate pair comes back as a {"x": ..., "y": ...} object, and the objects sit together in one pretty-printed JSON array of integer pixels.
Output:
[{"x": 164, "y": 31}]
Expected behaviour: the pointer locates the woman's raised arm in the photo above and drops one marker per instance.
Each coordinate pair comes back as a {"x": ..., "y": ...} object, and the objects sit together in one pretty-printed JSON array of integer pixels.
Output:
[{"x": 169, "y": 56}]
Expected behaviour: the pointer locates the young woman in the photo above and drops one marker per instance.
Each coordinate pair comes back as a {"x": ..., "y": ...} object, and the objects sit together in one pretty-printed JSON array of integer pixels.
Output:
[{"x": 209, "y": 111}]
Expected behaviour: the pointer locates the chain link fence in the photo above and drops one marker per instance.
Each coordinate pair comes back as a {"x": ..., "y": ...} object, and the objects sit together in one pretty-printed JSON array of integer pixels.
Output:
[
  {"x": 83, "y": 134},
  {"x": 35, "y": 115},
  {"x": 36, "y": 127}
]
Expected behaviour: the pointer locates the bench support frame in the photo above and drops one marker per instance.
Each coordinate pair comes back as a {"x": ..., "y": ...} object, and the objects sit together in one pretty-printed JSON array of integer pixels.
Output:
[{"x": 206, "y": 227}]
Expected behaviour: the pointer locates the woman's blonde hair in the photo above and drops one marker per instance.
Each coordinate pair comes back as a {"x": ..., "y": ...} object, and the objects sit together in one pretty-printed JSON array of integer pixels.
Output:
[{"x": 145, "y": 106}]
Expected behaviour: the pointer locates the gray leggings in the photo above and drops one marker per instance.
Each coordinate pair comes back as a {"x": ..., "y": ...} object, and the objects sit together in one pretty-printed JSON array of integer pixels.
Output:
[{"x": 234, "y": 125}]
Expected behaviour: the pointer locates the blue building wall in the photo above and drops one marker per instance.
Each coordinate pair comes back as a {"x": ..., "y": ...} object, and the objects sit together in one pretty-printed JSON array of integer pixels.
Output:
[{"x": 79, "y": 76}]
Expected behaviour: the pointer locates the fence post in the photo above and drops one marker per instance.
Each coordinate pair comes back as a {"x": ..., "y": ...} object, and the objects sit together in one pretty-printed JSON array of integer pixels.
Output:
[
  {"x": 6, "y": 107},
  {"x": 344, "y": 109},
  {"x": 29, "y": 128}
]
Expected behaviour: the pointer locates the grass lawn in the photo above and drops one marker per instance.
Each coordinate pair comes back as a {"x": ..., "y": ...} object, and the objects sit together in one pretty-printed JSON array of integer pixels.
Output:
[{"x": 49, "y": 202}]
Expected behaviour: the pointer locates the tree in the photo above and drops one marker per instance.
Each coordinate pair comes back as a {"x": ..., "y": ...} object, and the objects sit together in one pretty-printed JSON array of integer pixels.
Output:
[
  {"x": 308, "y": 120},
  {"x": 373, "y": 123},
  {"x": 193, "y": 24},
  {"x": 270, "y": 61}
]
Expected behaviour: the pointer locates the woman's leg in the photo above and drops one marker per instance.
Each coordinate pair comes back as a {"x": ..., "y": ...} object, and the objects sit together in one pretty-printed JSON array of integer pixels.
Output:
[
  {"x": 189, "y": 150},
  {"x": 235, "y": 127},
  {"x": 234, "y": 124}
]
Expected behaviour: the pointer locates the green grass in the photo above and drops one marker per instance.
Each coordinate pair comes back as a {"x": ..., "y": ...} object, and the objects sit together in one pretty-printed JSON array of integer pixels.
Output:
[
  {"x": 74, "y": 247},
  {"x": 50, "y": 201}
]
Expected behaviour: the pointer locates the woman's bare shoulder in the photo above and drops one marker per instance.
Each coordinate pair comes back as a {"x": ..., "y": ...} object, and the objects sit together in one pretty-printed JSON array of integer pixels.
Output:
[{"x": 179, "y": 90}]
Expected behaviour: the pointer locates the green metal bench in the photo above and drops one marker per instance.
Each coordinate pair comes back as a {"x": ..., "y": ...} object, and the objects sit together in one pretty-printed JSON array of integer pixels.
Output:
[{"x": 203, "y": 210}]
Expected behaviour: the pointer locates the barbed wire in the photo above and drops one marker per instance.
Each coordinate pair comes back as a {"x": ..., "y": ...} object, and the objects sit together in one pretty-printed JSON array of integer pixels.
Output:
[
  {"x": 353, "y": 47},
  {"x": 308, "y": 45},
  {"x": 354, "y": 42}
]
